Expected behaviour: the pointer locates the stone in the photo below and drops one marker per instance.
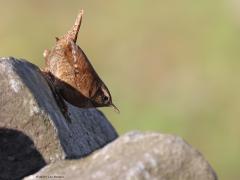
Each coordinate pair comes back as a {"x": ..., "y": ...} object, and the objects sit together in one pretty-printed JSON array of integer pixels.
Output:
[
  {"x": 135, "y": 156},
  {"x": 31, "y": 123}
]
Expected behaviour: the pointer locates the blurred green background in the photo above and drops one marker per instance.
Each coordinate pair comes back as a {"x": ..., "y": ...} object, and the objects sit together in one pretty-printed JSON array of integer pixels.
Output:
[{"x": 172, "y": 66}]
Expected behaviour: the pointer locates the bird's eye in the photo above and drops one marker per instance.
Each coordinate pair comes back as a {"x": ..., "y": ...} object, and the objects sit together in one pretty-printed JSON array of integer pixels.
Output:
[{"x": 105, "y": 98}]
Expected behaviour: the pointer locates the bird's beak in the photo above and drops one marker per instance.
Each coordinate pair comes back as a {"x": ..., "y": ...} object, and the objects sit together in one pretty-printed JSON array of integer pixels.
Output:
[{"x": 115, "y": 108}]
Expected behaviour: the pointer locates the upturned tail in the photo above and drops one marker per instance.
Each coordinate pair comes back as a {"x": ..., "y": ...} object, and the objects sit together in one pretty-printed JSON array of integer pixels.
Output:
[{"x": 72, "y": 34}]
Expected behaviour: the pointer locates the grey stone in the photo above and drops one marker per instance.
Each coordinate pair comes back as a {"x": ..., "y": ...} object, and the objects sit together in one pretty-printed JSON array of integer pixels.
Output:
[
  {"x": 29, "y": 111},
  {"x": 136, "y": 156}
]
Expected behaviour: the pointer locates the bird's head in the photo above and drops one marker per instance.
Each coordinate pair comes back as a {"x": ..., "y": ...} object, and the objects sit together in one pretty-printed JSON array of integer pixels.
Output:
[{"x": 102, "y": 98}]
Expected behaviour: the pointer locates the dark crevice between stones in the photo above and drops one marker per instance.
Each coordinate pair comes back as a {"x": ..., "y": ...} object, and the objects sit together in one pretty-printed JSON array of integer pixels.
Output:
[{"x": 18, "y": 155}]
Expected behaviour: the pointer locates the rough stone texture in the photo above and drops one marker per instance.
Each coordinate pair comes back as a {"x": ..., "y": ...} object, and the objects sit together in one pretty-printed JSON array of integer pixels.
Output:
[
  {"x": 27, "y": 105},
  {"x": 135, "y": 156}
]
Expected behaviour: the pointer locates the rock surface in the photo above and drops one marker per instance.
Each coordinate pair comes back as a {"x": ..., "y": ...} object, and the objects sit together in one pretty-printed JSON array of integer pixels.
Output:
[
  {"x": 34, "y": 133},
  {"x": 27, "y": 105},
  {"x": 135, "y": 156}
]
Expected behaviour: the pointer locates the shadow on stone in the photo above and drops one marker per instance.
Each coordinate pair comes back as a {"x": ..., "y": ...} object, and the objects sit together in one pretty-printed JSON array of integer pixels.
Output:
[{"x": 18, "y": 156}]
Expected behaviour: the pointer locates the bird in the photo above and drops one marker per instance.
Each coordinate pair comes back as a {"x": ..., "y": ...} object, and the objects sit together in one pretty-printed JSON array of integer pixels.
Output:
[{"x": 72, "y": 76}]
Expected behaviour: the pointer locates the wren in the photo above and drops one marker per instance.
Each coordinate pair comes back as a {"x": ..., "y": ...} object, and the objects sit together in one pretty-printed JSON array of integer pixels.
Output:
[{"x": 72, "y": 76}]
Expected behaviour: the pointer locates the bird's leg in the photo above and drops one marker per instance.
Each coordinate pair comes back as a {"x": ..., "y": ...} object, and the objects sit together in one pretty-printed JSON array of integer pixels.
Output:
[
  {"x": 61, "y": 103},
  {"x": 57, "y": 95}
]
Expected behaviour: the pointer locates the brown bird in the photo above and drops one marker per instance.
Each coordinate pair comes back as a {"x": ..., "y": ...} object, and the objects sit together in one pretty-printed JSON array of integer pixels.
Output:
[{"x": 71, "y": 74}]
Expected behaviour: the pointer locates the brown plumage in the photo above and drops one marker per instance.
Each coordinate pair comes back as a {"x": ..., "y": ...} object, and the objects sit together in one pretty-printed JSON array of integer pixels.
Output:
[{"x": 72, "y": 74}]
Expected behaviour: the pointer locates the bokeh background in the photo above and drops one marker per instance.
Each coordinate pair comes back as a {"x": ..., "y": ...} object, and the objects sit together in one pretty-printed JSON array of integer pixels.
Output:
[{"x": 172, "y": 66}]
